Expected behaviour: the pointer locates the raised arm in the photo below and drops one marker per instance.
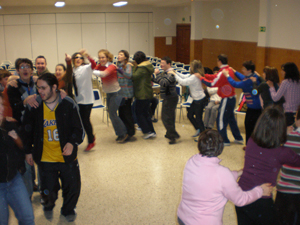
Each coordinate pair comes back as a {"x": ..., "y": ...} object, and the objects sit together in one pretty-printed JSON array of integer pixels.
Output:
[{"x": 280, "y": 92}]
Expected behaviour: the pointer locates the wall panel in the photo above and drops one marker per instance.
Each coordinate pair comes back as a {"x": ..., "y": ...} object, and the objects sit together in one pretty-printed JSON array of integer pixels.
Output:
[
  {"x": 68, "y": 18},
  {"x": 16, "y": 19},
  {"x": 117, "y": 37},
  {"x": 161, "y": 49},
  {"x": 93, "y": 38},
  {"x": 138, "y": 17},
  {"x": 139, "y": 38},
  {"x": 93, "y": 17},
  {"x": 2, "y": 44},
  {"x": 116, "y": 17},
  {"x": 42, "y": 19}
]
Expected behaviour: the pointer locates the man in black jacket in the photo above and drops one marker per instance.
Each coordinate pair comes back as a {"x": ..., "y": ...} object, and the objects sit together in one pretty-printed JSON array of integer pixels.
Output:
[{"x": 54, "y": 129}]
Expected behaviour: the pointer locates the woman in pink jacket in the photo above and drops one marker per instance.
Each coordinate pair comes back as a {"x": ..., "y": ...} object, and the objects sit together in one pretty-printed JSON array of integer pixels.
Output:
[{"x": 207, "y": 185}]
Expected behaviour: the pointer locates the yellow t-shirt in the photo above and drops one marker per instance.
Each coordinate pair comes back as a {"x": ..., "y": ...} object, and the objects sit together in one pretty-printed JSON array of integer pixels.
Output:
[{"x": 51, "y": 148}]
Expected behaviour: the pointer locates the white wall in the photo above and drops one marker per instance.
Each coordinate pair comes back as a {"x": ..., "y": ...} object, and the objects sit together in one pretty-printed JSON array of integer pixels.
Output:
[
  {"x": 54, "y": 34},
  {"x": 165, "y": 21}
]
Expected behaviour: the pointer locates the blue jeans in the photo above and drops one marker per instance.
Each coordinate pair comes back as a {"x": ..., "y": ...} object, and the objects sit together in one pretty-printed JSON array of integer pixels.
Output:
[
  {"x": 14, "y": 193},
  {"x": 27, "y": 178}
]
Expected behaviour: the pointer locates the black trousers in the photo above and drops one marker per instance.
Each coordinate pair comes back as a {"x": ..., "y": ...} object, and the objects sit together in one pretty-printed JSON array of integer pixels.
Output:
[
  {"x": 153, "y": 104},
  {"x": 251, "y": 118},
  {"x": 70, "y": 179},
  {"x": 143, "y": 116},
  {"x": 168, "y": 116},
  {"x": 125, "y": 114},
  {"x": 196, "y": 110},
  {"x": 290, "y": 118},
  {"x": 85, "y": 113},
  {"x": 260, "y": 212},
  {"x": 288, "y": 208}
]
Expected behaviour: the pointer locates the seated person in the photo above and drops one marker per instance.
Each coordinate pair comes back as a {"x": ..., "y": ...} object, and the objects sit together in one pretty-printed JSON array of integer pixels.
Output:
[{"x": 211, "y": 110}]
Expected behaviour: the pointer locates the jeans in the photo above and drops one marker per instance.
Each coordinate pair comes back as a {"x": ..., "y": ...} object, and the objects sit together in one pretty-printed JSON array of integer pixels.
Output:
[
  {"x": 14, "y": 193},
  {"x": 85, "y": 114},
  {"x": 211, "y": 113},
  {"x": 225, "y": 117},
  {"x": 143, "y": 115},
  {"x": 196, "y": 109},
  {"x": 27, "y": 178},
  {"x": 113, "y": 102}
]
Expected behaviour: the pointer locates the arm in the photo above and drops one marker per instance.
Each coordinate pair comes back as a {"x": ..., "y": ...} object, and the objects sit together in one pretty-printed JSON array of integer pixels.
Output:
[
  {"x": 239, "y": 75},
  {"x": 280, "y": 92},
  {"x": 211, "y": 76},
  {"x": 185, "y": 81},
  {"x": 108, "y": 71},
  {"x": 183, "y": 76},
  {"x": 165, "y": 81},
  {"x": 69, "y": 73},
  {"x": 76, "y": 137},
  {"x": 212, "y": 91},
  {"x": 239, "y": 84},
  {"x": 128, "y": 71},
  {"x": 289, "y": 157},
  {"x": 85, "y": 53}
]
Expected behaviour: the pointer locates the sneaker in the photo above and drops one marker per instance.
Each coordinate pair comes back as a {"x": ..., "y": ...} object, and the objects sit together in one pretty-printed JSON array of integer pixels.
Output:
[
  {"x": 197, "y": 133},
  {"x": 48, "y": 214},
  {"x": 90, "y": 146},
  {"x": 196, "y": 140},
  {"x": 154, "y": 120},
  {"x": 226, "y": 144},
  {"x": 149, "y": 135},
  {"x": 71, "y": 217},
  {"x": 122, "y": 138},
  {"x": 241, "y": 142}
]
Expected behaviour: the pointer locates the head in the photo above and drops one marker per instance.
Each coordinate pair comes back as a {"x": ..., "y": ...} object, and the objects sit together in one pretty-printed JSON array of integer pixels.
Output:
[
  {"x": 4, "y": 75},
  {"x": 123, "y": 56},
  {"x": 196, "y": 67},
  {"x": 216, "y": 70},
  {"x": 271, "y": 73},
  {"x": 60, "y": 70},
  {"x": 1, "y": 108},
  {"x": 41, "y": 64},
  {"x": 222, "y": 60},
  {"x": 25, "y": 68},
  {"x": 270, "y": 129},
  {"x": 47, "y": 86},
  {"x": 210, "y": 143},
  {"x": 207, "y": 70},
  {"x": 105, "y": 56},
  {"x": 290, "y": 71},
  {"x": 17, "y": 62},
  {"x": 166, "y": 63},
  {"x": 139, "y": 57},
  {"x": 77, "y": 59},
  {"x": 248, "y": 68}
]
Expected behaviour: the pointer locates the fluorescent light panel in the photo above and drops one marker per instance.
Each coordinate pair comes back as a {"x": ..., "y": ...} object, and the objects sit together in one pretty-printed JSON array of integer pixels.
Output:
[
  {"x": 119, "y": 4},
  {"x": 60, "y": 4}
]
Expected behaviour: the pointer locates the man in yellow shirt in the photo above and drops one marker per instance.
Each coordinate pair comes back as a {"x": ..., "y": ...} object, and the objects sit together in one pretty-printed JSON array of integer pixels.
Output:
[{"x": 54, "y": 129}]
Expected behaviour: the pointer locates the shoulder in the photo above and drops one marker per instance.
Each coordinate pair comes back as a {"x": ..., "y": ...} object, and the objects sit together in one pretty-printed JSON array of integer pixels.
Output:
[{"x": 68, "y": 101}]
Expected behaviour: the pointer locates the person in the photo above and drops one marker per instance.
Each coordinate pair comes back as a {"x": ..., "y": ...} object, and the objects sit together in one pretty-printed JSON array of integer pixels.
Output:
[
  {"x": 143, "y": 93},
  {"x": 124, "y": 72},
  {"x": 108, "y": 73},
  {"x": 227, "y": 93},
  {"x": 204, "y": 195},
  {"x": 290, "y": 89},
  {"x": 264, "y": 156},
  {"x": 211, "y": 110},
  {"x": 4, "y": 75},
  {"x": 53, "y": 131},
  {"x": 7, "y": 109},
  {"x": 168, "y": 93},
  {"x": 82, "y": 82},
  {"x": 287, "y": 201},
  {"x": 269, "y": 73},
  {"x": 41, "y": 65},
  {"x": 65, "y": 76},
  {"x": 197, "y": 93},
  {"x": 12, "y": 189},
  {"x": 249, "y": 81}
]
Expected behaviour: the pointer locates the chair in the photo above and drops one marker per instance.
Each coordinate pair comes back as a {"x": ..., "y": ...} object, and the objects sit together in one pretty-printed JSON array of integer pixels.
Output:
[
  {"x": 187, "y": 67},
  {"x": 99, "y": 105},
  {"x": 180, "y": 65},
  {"x": 186, "y": 104}
]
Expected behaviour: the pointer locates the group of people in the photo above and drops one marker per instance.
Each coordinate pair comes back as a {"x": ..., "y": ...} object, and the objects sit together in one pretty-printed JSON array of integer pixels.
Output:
[{"x": 51, "y": 115}]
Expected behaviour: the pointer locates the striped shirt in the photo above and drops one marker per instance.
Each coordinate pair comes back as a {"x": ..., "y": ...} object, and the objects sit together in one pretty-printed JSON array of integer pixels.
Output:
[
  {"x": 290, "y": 176},
  {"x": 125, "y": 80}
]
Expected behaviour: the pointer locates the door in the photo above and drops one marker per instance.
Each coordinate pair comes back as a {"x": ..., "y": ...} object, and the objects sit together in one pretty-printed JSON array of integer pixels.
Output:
[{"x": 183, "y": 35}]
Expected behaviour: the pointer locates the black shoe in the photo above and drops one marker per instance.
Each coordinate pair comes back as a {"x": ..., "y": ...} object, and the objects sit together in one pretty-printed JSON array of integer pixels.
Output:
[
  {"x": 172, "y": 141},
  {"x": 48, "y": 215},
  {"x": 35, "y": 188},
  {"x": 122, "y": 138}
]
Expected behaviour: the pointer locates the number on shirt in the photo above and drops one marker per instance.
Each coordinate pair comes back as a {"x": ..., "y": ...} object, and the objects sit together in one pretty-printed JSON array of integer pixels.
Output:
[{"x": 55, "y": 135}]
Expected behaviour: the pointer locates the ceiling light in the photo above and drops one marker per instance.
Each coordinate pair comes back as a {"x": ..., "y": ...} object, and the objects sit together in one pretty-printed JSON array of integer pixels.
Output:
[
  {"x": 119, "y": 4},
  {"x": 60, "y": 4},
  {"x": 0, "y": 7}
]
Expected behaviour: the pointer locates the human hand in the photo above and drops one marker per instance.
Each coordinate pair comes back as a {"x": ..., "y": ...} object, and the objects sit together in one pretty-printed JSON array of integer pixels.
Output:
[
  {"x": 31, "y": 100},
  {"x": 297, "y": 122},
  {"x": 240, "y": 172},
  {"x": 217, "y": 102},
  {"x": 29, "y": 159},
  {"x": 267, "y": 189},
  {"x": 82, "y": 51},
  {"x": 156, "y": 71},
  {"x": 35, "y": 78},
  {"x": 68, "y": 149},
  {"x": 232, "y": 69},
  {"x": 256, "y": 73},
  {"x": 289, "y": 129},
  {"x": 198, "y": 75},
  {"x": 253, "y": 79},
  {"x": 12, "y": 83},
  {"x": 68, "y": 57},
  {"x": 270, "y": 83},
  {"x": 225, "y": 73},
  {"x": 13, "y": 134},
  {"x": 63, "y": 94}
]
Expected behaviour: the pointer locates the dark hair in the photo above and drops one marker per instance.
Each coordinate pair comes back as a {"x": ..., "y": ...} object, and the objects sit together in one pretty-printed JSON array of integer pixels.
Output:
[
  {"x": 4, "y": 73},
  {"x": 216, "y": 69},
  {"x": 270, "y": 128},
  {"x": 50, "y": 79},
  {"x": 167, "y": 59},
  {"x": 298, "y": 113},
  {"x": 223, "y": 58},
  {"x": 196, "y": 67},
  {"x": 17, "y": 62},
  {"x": 62, "y": 65},
  {"x": 291, "y": 71},
  {"x": 271, "y": 74},
  {"x": 139, "y": 57},
  {"x": 126, "y": 54},
  {"x": 210, "y": 143},
  {"x": 41, "y": 57},
  {"x": 249, "y": 65},
  {"x": 74, "y": 56},
  {"x": 25, "y": 60},
  {"x": 109, "y": 56},
  {"x": 208, "y": 70}
]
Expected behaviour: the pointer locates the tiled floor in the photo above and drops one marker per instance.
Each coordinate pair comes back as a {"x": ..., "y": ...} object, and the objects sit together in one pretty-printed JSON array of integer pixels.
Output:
[{"x": 138, "y": 182}]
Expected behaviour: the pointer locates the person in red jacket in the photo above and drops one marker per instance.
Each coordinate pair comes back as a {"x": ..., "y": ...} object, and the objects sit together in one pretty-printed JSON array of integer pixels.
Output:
[{"x": 227, "y": 93}]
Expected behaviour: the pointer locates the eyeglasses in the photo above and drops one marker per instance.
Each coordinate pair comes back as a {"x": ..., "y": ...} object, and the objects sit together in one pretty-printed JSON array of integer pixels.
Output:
[
  {"x": 25, "y": 67},
  {"x": 78, "y": 57}
]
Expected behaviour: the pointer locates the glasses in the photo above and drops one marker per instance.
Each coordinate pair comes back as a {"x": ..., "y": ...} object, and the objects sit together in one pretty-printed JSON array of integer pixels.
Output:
[
  {"x": 78, "y": 57},
  {"x": 25, "y": 67}
]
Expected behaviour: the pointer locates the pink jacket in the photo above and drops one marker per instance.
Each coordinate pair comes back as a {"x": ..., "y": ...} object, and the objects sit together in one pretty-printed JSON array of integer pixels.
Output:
[{"x": 206, "y": 188}]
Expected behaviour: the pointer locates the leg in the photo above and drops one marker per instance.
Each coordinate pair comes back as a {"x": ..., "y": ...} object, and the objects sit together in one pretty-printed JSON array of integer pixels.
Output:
[
  {"x": 168, "y": 116},
  {"x": 251, "y": 118},
  {"x": 71, "y": 185},
  {"x": 213, "y": 116},
  {"x": 199, "y": 106},
  {"x": 18, "y": 199},
  {"x": 208, "y": 113},
  {"x": 113, "y": 107},
  {"x": 27, "y": 178},
  {"x": 190, "y": 115},
  {"x": 286, "y": 208},
  {"x": 222, "y": 120},
  {"x": 289, "y": 117},
  {"x": 85, "y": 114},
  {"x": 4, "y": 212},
  {"x": 153, "y": 104},
  {"x": 126, "y": 116},
  {"x": 143, "y": 116},
  {"x": 231, "y": 119}
]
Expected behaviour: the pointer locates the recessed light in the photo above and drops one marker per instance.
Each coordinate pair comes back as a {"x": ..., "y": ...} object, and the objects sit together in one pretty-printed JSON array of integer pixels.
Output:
[
  {"x": 119, "y": 4},
  {"x": 0, "y": 7},
  {"x": 60, "y": 4}
]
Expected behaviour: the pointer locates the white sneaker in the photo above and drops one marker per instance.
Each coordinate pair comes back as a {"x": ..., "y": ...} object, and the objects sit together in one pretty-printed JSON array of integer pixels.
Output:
[
  {"x": 226, "y": 144},
  {"x": 241, "y": 142},
  {"x": 149, "y": 135}
]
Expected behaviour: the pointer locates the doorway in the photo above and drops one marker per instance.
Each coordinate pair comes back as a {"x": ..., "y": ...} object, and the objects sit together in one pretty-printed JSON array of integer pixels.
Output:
[{"x": 183, "y": 35}]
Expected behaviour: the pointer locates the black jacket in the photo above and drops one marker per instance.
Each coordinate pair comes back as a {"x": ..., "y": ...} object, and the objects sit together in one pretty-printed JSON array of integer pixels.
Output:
[
  {"x": 11, "y": 157},
  {"x": 68, "y": 123}
]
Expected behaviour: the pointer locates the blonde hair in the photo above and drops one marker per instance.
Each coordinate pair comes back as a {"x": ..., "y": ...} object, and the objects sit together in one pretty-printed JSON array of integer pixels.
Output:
[
  {"x": 108, "y": 55},
  {"x": 196, "y": 67}
]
